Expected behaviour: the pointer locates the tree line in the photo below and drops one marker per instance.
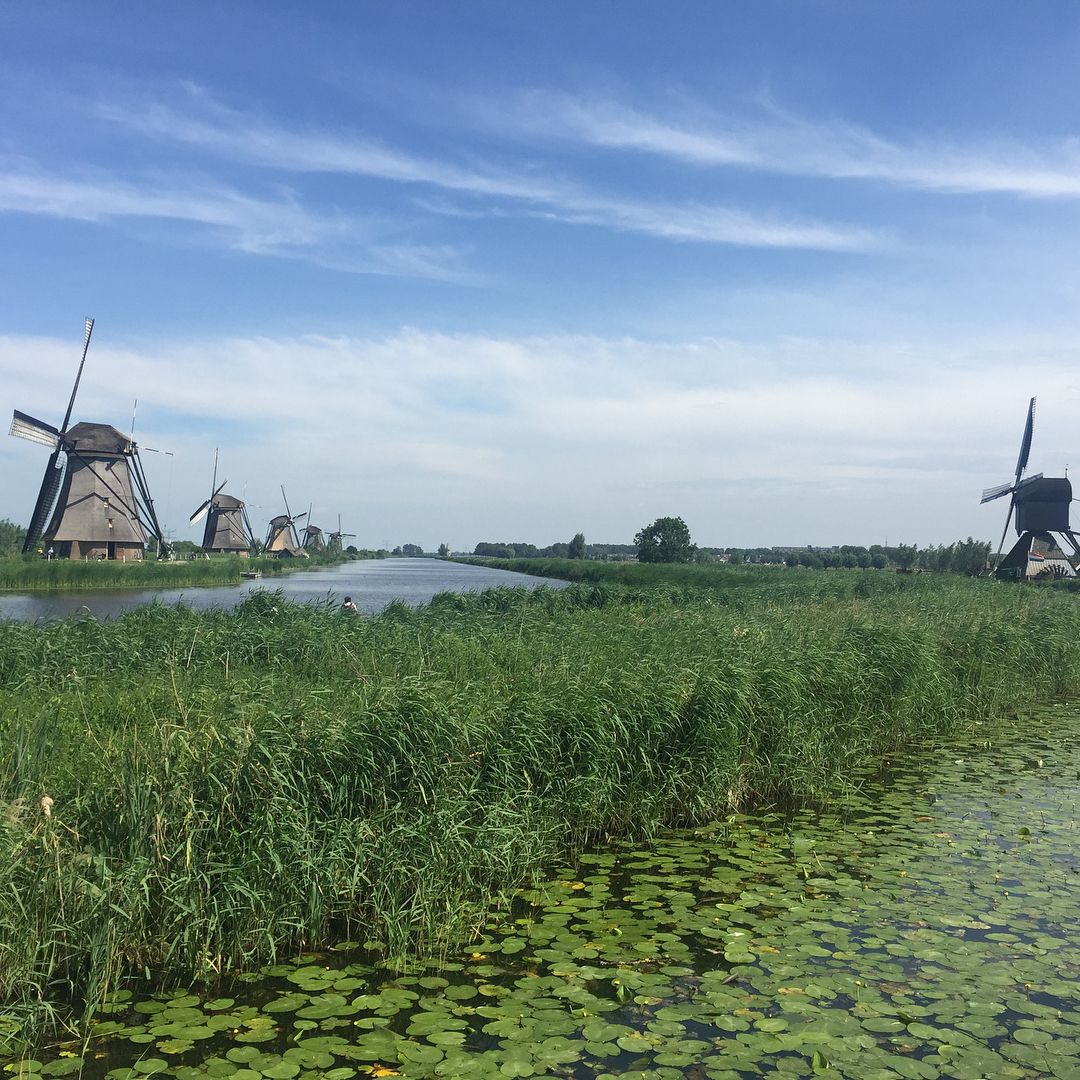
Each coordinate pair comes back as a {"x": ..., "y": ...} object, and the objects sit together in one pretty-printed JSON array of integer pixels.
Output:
[{"x": 668, "y": 539}]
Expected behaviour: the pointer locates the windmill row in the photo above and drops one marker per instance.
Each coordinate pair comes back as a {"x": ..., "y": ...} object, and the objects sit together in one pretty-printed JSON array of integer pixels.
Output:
[{"x": 94, "y": 501}]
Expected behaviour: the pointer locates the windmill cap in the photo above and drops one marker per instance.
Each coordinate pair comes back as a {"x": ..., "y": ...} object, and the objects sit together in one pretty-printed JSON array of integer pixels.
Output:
[{"x": 98, "y": 438}]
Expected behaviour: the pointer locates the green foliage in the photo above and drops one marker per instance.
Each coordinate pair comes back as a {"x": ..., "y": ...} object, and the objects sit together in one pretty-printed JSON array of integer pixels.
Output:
[
  {"x": 576, "y": 547},
  {"x": 226, "y": 786},
  {"x": 444, "y": 550},
  {"x": 412, "y": 551},
  {"x": 11, "y": 538},
  {"x": 666, "y": 540}
]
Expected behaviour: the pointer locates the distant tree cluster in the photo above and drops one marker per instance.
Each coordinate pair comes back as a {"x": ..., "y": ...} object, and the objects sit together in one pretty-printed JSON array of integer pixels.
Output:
[
  {"x": 576, "y": 549},
  {"x": 11, "y": 538},
  {"x": 667, "y": 539},
  {"x": 968, "y": 556}
]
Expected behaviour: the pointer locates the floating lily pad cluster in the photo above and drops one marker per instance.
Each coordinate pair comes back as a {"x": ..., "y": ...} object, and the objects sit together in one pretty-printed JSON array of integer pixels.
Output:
[{"x": 923, "y": 929}]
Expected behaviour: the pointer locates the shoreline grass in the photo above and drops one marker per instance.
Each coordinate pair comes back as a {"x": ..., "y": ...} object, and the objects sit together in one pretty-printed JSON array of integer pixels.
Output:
[
  {"x": 227, "y": 785},
  {"x": 44, "y": 575}
]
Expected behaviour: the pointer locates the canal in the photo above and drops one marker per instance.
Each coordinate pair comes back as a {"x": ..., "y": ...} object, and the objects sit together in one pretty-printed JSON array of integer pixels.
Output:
[{"x": 372, "y": 583}]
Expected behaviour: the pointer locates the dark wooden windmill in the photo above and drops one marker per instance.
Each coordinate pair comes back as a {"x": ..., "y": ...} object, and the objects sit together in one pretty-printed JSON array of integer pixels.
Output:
[
  {"x": 311, "y": 538},
  {"x": 1041, "y": 505},
  {"x": 228, "y": 530},
  {"x": 281, "y": 538},
  {"x": 94, "y": 502},
  {"x": 334, "y": 540}
]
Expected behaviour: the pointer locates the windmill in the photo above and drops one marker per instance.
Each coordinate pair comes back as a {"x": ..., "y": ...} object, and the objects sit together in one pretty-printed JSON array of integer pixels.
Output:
[
  {"x": 334, "y": 540},
  {"x": 94, "y": 502},
  {"x": 311, "y": 539},
  {"x": 228, "y": 530},
  {"x": 1041, "y": 504},
  {"x": 281, "y": 538}
]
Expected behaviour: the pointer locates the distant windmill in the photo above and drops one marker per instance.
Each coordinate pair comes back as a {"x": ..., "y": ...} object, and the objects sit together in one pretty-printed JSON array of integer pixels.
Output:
[
  {"x": 311, "y": 538},
  {"x": 228, "y": 529},
  {"x": 335, "y": 538},
  {"x": 1041, "y": 504},
  {"x": 94, "y": 501},
  {"x": 281, "y": 538}
]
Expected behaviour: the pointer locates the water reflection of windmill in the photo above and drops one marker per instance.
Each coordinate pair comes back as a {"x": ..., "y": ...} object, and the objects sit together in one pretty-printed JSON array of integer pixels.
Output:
[
  {"x": 228, "y": 530},
  {"x": 334, "y": 540},
  {"x": 281, "y": 538},
  {"x": 94, "y": 502},
  {"x": 1041, "y": 504}
]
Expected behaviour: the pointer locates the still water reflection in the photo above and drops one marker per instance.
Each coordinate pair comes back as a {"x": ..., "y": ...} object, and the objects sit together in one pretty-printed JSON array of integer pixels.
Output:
[{"x": 372, "y": 585}]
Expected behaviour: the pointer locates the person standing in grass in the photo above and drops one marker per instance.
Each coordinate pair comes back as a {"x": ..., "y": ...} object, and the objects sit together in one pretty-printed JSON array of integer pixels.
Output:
[{"x": 348, "y": 606}]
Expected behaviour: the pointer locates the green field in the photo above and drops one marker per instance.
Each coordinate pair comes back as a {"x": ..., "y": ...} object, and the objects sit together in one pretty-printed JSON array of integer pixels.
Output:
[{"x": 228, "y": 785}]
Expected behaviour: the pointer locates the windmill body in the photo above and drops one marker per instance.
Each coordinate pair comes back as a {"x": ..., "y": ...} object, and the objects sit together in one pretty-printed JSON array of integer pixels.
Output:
[
  {"x": 94, "y": 502},
  {"x": 97, "y": 514},
  {"x": 227, "y": 530},
  {"x": 281, "y": 538},
  {"x": 335, "y": 540},
  {"x": 312, "y": 541},
  {"x": 1041, "y": 506}
]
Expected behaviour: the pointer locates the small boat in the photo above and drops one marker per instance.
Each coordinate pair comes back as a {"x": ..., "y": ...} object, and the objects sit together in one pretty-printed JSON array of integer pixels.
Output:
[{"x": 251, "y": 575}]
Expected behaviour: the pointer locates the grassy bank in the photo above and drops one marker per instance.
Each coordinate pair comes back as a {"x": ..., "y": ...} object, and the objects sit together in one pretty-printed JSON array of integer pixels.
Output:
[
  {"x": 19, "y": 574},
  {"x": 224, "y": 785}
]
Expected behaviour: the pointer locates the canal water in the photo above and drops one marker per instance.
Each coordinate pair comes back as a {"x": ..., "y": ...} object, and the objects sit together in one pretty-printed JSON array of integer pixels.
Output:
[
  {"x": 372, "y": 583},
  {"x": 923, "y": 926}
]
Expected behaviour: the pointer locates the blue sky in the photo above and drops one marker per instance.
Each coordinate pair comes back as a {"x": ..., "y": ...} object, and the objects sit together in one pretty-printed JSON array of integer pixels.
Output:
[{"x": 511, "y": 271}]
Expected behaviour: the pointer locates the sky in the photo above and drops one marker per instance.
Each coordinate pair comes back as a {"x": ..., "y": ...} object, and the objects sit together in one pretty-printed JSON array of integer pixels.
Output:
[{"x": 513, "y": 271}]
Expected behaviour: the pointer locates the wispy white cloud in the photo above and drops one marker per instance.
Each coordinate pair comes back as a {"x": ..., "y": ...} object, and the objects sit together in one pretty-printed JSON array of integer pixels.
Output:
[
  {"x": 281, "y": 226},
  {"x": 477, "y": 437},
  {"x": 779, "y": 141},
  {"x": 254, "y": 140}
]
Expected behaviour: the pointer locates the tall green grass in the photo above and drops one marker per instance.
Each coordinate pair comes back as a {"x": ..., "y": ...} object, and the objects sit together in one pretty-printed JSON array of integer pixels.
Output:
[
  {"x": 44, "y": 574},
  {"x": 225, "y": 785}
]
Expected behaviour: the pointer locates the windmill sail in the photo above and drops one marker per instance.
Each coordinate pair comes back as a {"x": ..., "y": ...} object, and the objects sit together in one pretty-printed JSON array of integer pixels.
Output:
[
  {"x": 1025, "y": 442},
  {"x": 48, "y": 494},
  {"x": 27, "y": 427}
]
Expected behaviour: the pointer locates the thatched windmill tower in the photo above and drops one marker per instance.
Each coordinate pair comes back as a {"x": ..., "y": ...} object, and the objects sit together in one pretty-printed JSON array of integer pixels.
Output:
[
  {"x": 334, "y": 540},
  {"x": 281, "y": 538},
  {"x": 94, "y": 502},
  {"x": 311, "y": 537},
  {"x": 228, "y": 530}
]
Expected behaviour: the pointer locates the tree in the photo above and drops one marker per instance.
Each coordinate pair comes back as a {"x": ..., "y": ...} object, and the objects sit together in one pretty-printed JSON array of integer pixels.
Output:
[
  {"x": 905, "y": 556},
  {"x": 576, "y": 549},
  {"x": 444, "y": 550},
  {"x": 11, "y": 537},
  {"x": 666, "y": 540},
  {"x": 413, "y": 551}
]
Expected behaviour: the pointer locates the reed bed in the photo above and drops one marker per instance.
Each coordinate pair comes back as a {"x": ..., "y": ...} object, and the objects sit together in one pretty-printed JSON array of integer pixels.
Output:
[
  {"x": 25, "y": 574},
  {"x": 183, "y": 794}
]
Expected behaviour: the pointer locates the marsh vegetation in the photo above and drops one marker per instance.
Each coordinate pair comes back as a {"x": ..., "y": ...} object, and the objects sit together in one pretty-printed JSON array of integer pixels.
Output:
[
  {"x": 225, "y": 788},
  {"x": 32, "y": 574}
]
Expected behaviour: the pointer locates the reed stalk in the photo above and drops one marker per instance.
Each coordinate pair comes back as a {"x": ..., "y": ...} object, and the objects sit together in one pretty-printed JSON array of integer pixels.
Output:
[{"x": 226, "y": 785}]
